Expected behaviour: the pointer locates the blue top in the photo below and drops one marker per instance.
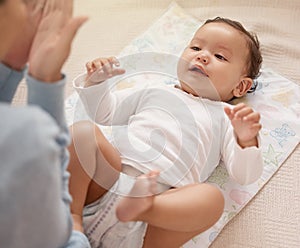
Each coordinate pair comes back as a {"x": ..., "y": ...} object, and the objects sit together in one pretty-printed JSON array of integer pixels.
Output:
[{"x": 34, "y": 196}]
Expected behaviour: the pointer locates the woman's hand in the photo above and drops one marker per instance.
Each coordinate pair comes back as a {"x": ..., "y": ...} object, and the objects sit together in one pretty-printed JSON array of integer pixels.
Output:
[
  {"x": 52, "y": 43},
  {"x": 17, "y": 56},
  {"x": 101, "y": 69},
  {"x": 245, "y": 123}
]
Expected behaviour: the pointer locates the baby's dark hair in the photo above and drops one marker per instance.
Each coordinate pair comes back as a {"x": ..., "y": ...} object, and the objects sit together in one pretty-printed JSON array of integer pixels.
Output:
[{"x": 254, "y": 59}]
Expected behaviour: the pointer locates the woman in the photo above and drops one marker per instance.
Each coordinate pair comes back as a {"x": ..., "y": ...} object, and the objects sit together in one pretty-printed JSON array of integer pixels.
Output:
[{"x": 34, "y": 198}]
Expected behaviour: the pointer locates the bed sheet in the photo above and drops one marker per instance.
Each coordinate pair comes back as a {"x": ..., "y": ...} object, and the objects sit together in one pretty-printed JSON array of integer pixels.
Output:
[{"x": 277, "y": 99}]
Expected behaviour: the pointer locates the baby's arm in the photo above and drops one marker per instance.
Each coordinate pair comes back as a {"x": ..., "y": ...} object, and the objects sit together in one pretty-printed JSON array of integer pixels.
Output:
[
  {"x": 245, "y": 123},
  {"x": 103, "y": 104},
  {"x": 242, "y": 154}
]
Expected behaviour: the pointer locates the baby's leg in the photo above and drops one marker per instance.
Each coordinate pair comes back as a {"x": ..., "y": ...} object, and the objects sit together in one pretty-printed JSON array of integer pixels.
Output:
[
  {"x": 173, "y": 217},
  {"x": 190, "y": 208},
  {"x": 179, "y": 214},
  {"x": 186, "y": 209},
  {"x": 94, "y": 167},
  {"x": 162, "y": 238}
]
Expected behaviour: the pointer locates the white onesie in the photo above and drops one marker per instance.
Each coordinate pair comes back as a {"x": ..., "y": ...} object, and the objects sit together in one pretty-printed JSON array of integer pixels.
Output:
[{"x": 164, "y": 128}]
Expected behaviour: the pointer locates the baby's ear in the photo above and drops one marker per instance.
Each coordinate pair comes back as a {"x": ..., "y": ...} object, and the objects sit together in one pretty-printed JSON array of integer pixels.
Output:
[{"x": 242, "y": 88}]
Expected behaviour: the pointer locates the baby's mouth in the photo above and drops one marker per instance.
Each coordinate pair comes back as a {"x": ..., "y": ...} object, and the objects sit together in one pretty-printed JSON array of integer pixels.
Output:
[{"x": 198, "y": 69}]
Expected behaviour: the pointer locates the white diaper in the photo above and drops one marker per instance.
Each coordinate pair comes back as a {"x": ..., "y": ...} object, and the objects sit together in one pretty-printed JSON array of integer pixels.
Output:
[
  {"x": 104, "y": 230},
  {"x": 100, "y": 222}
]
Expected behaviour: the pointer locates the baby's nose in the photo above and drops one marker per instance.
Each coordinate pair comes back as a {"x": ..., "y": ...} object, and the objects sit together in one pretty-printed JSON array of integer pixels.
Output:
[{"x": 203, "y": 57}]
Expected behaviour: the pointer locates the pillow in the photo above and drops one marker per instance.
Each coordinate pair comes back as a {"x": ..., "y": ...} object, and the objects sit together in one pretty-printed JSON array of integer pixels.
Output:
[{"x": 276, "y": 98}]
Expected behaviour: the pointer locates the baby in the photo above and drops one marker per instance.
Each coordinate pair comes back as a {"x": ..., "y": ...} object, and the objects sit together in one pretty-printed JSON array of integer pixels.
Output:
[{"x": 175, "y": 136}]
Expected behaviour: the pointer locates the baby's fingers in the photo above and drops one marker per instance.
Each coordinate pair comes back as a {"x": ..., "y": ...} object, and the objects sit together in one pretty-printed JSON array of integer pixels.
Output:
[
  {"x": 117, "y": 71},
  {"x": 243, "y": 112},
  {"x": 98, "y": 64},
  {"x": 114, "y": 61},
  {"x": 89, "y": 67},
  {"x": 101, "y": 69},
  {"x": 101, "y": 65},
  {"x": 94, "y": 65},
  {"x": 253, "y": 117},
  {"x": 256, "y": 127},
  {"x": 108, "y": 66},
  {"x": 112, "y": 70},
  {"x": 228, "y": 112},
  {"x": 238, "y": 107}
]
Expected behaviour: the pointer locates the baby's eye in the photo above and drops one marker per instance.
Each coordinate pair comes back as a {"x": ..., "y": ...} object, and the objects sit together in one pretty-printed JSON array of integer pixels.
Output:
[
  {"x": 219, "y": 56},
  {"x": 195, "y": 48}
]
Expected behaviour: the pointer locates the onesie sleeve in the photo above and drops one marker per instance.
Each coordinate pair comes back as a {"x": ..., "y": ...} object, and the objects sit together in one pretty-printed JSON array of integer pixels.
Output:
[
  {"x": 244, "y": 165},
  {"x": 106, "y": 106}
]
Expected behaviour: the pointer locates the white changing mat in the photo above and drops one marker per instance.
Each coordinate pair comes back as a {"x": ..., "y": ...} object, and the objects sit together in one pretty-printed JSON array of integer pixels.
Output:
[{"x": 276, "y": 98}]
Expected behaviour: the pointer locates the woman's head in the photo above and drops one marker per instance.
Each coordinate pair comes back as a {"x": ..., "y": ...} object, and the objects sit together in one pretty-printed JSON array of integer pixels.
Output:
[
  {"x": 12, "y": 18},
  {"x": 221, "y": 61}
]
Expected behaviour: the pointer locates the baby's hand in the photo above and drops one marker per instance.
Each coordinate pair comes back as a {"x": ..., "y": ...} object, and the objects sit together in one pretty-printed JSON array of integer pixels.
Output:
[
  {"x": 245, "y": 123},
  {"x": 101, "y": 69}
]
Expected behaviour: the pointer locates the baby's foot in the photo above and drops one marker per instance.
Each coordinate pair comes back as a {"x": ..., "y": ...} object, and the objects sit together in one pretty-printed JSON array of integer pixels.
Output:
[{"x": 141, "y": 199}]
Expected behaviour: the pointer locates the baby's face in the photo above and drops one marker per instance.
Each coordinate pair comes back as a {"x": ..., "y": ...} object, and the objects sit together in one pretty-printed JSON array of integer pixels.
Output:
[{"x": 214, "y": 62}]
